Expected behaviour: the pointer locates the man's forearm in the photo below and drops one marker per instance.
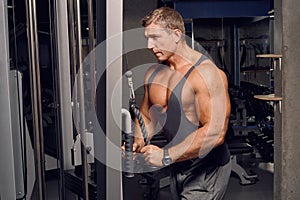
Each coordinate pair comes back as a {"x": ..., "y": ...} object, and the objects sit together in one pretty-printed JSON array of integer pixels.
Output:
[{"x": 198, "y": 143}]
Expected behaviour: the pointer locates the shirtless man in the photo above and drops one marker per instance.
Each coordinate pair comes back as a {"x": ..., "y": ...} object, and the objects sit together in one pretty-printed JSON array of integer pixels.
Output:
[{"x": 187, "y": 96}]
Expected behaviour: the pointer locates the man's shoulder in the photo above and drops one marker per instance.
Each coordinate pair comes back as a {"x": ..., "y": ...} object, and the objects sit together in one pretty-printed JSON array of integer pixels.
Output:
[
  {"x": 206, "y": 66},
  {"x": 206, "y": 71},
  {"x": 154, "y": 68}
]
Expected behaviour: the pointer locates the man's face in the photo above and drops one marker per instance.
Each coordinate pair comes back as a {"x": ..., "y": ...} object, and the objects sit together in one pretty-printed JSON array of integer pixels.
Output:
[{"x": 160, "y": 41}]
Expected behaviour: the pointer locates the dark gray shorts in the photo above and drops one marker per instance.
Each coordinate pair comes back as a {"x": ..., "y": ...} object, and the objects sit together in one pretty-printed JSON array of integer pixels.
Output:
[{"x": 201, "y": 184}]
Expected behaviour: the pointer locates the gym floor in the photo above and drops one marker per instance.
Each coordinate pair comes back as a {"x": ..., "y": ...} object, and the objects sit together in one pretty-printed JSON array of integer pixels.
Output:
[{"x": 262, "y": 189}]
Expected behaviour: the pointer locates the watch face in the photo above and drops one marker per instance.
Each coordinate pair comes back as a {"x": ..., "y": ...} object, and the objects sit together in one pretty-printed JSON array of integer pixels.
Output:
[{"x": 166, "y": 161}]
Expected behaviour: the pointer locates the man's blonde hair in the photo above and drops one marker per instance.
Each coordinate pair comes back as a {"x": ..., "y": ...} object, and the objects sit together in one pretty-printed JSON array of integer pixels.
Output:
[{"x": 166, "y": 17}]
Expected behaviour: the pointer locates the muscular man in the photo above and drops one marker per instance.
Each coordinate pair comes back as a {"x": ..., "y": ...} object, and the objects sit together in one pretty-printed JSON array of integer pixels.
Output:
[{"x": 187, "y": 96}]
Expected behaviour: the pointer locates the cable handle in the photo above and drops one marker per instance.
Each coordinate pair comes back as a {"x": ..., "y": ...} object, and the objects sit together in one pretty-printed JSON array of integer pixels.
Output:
[
  {"x": 141, "y": 122},
  {"x": 133, "y": 109}
]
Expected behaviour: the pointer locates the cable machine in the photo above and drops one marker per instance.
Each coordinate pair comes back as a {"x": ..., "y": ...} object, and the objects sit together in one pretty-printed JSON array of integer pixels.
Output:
[{"x": 65, "y": 20}]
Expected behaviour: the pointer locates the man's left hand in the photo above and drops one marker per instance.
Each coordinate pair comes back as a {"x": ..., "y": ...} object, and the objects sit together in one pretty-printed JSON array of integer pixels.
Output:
[{"x": 153, "y": 155}]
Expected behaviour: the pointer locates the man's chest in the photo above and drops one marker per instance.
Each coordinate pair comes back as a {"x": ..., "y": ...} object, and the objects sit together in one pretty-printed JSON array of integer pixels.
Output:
[{"x": 174, "y": 87}]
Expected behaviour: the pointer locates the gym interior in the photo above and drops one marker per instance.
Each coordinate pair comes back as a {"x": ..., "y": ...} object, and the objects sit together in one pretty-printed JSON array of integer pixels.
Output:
[{"x": 65, "y": 97}]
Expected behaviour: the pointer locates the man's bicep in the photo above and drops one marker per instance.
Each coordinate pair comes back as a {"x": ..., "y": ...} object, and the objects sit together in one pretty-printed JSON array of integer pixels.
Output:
[
  {"x": 212, "y": 98},
  {"x": 145, "y": 106},
  {"x": 203, "y": 106}
]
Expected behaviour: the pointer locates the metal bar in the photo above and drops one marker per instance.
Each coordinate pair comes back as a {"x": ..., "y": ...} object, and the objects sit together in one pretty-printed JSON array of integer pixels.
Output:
[
  {"x": 15, "y": 36},
  {"x": 63, "y": 55},
  {"x": 18, "y": 132},
  {"x": 82, "y": 123},
  {"x": 236, "y": 56},
  {"x": 66, "y": 58},
  {"x": 91, "y": 25},
  {"x": 114, "y": 51},
  {"x": 92, "y": 60},
  {"x": 56, "y": 84},
  {"x": 99, "y": 143},
  {"x": 73, "y": 58},
  {"x": 35, "y": 87},
  {"x": 7, "y": 189},
  {"x": 56, "y": 87}
]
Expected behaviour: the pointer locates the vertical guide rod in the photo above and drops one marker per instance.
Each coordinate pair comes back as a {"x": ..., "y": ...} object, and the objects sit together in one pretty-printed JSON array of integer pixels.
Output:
[
  {"x": 73, "y": 60},
  {"x": 92, "y": 55},
  {"x": 236, "y": 56},
  {"x": 91, "y": 25},
  {"x": 82, "y": 124},
  {"x": 35, "y": 86},
  {"x": 55, "y": 84},
  {"x": 64, "y": 59}
]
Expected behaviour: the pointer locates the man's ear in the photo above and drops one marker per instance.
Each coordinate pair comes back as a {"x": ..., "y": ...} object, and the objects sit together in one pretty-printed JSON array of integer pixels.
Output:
[{"x": 178, "y": 35}]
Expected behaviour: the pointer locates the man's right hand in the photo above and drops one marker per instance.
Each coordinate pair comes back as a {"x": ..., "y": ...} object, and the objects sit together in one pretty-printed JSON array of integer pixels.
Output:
[
  {"x": 138, "y": 144},
  {"x": 136, "y": 147}
]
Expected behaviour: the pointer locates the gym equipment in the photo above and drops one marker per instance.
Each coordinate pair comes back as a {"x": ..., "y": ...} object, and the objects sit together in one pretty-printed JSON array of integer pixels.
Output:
[
  {"x": 133, "y": 109},
  {"x": 129, "y": 136},
  {"x": 129, "y": 139},
  {"x": 18, "y": 133},
  {"x": 252, "y": 128},
  {"x": 263, "y": 141},
  {"x": 240, "y": 126},
  {"x": 241, "y": 148},
  {"x": 76, "y": 149},
  {"x": 155, "y": 178}
]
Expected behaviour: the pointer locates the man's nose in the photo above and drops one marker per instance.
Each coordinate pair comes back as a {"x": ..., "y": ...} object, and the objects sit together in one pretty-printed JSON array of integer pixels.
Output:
[{"x": 150, "y": 44}]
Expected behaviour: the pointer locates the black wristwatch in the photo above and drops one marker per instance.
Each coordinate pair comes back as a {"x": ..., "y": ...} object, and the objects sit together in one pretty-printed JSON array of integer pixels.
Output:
[{"x": 166, "y": 161}]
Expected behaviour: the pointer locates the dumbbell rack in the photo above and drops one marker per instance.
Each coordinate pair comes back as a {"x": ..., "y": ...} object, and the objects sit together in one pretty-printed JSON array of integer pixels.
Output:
[
  {"x": 265, "y": 140},
  {"x": 240, "y": 125},
  {"x": 275, "y": 63}
]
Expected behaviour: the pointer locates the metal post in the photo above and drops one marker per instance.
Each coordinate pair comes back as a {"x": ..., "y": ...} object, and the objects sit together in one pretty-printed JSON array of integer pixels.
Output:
[
  {"x": 91, "y": 25},
  {"x": 7, "y": 188},
  {"x": 99, "y": 144},
  {"x": 288, "y": 179},
  {"x": 82, "y": 122},
  {"x": 114, "y": 51},
  {"x": 278, "y": 139},
  {"x": 92, "y": 55},
  {"x": 73, "y": 53},
  {"x": 35, "y": 86},
  {"x": 19, "y": 147},
  {"x": 236, "y": 56},
  {"x": 64, "y": 81}
]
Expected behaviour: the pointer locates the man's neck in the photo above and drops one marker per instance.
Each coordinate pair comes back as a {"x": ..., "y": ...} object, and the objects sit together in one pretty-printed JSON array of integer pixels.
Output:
[{"x": 183, "y": 57}]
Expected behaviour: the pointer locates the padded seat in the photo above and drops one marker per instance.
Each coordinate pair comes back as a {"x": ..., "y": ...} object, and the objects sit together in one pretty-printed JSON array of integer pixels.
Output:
[{"x": 240, "y": 148}]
